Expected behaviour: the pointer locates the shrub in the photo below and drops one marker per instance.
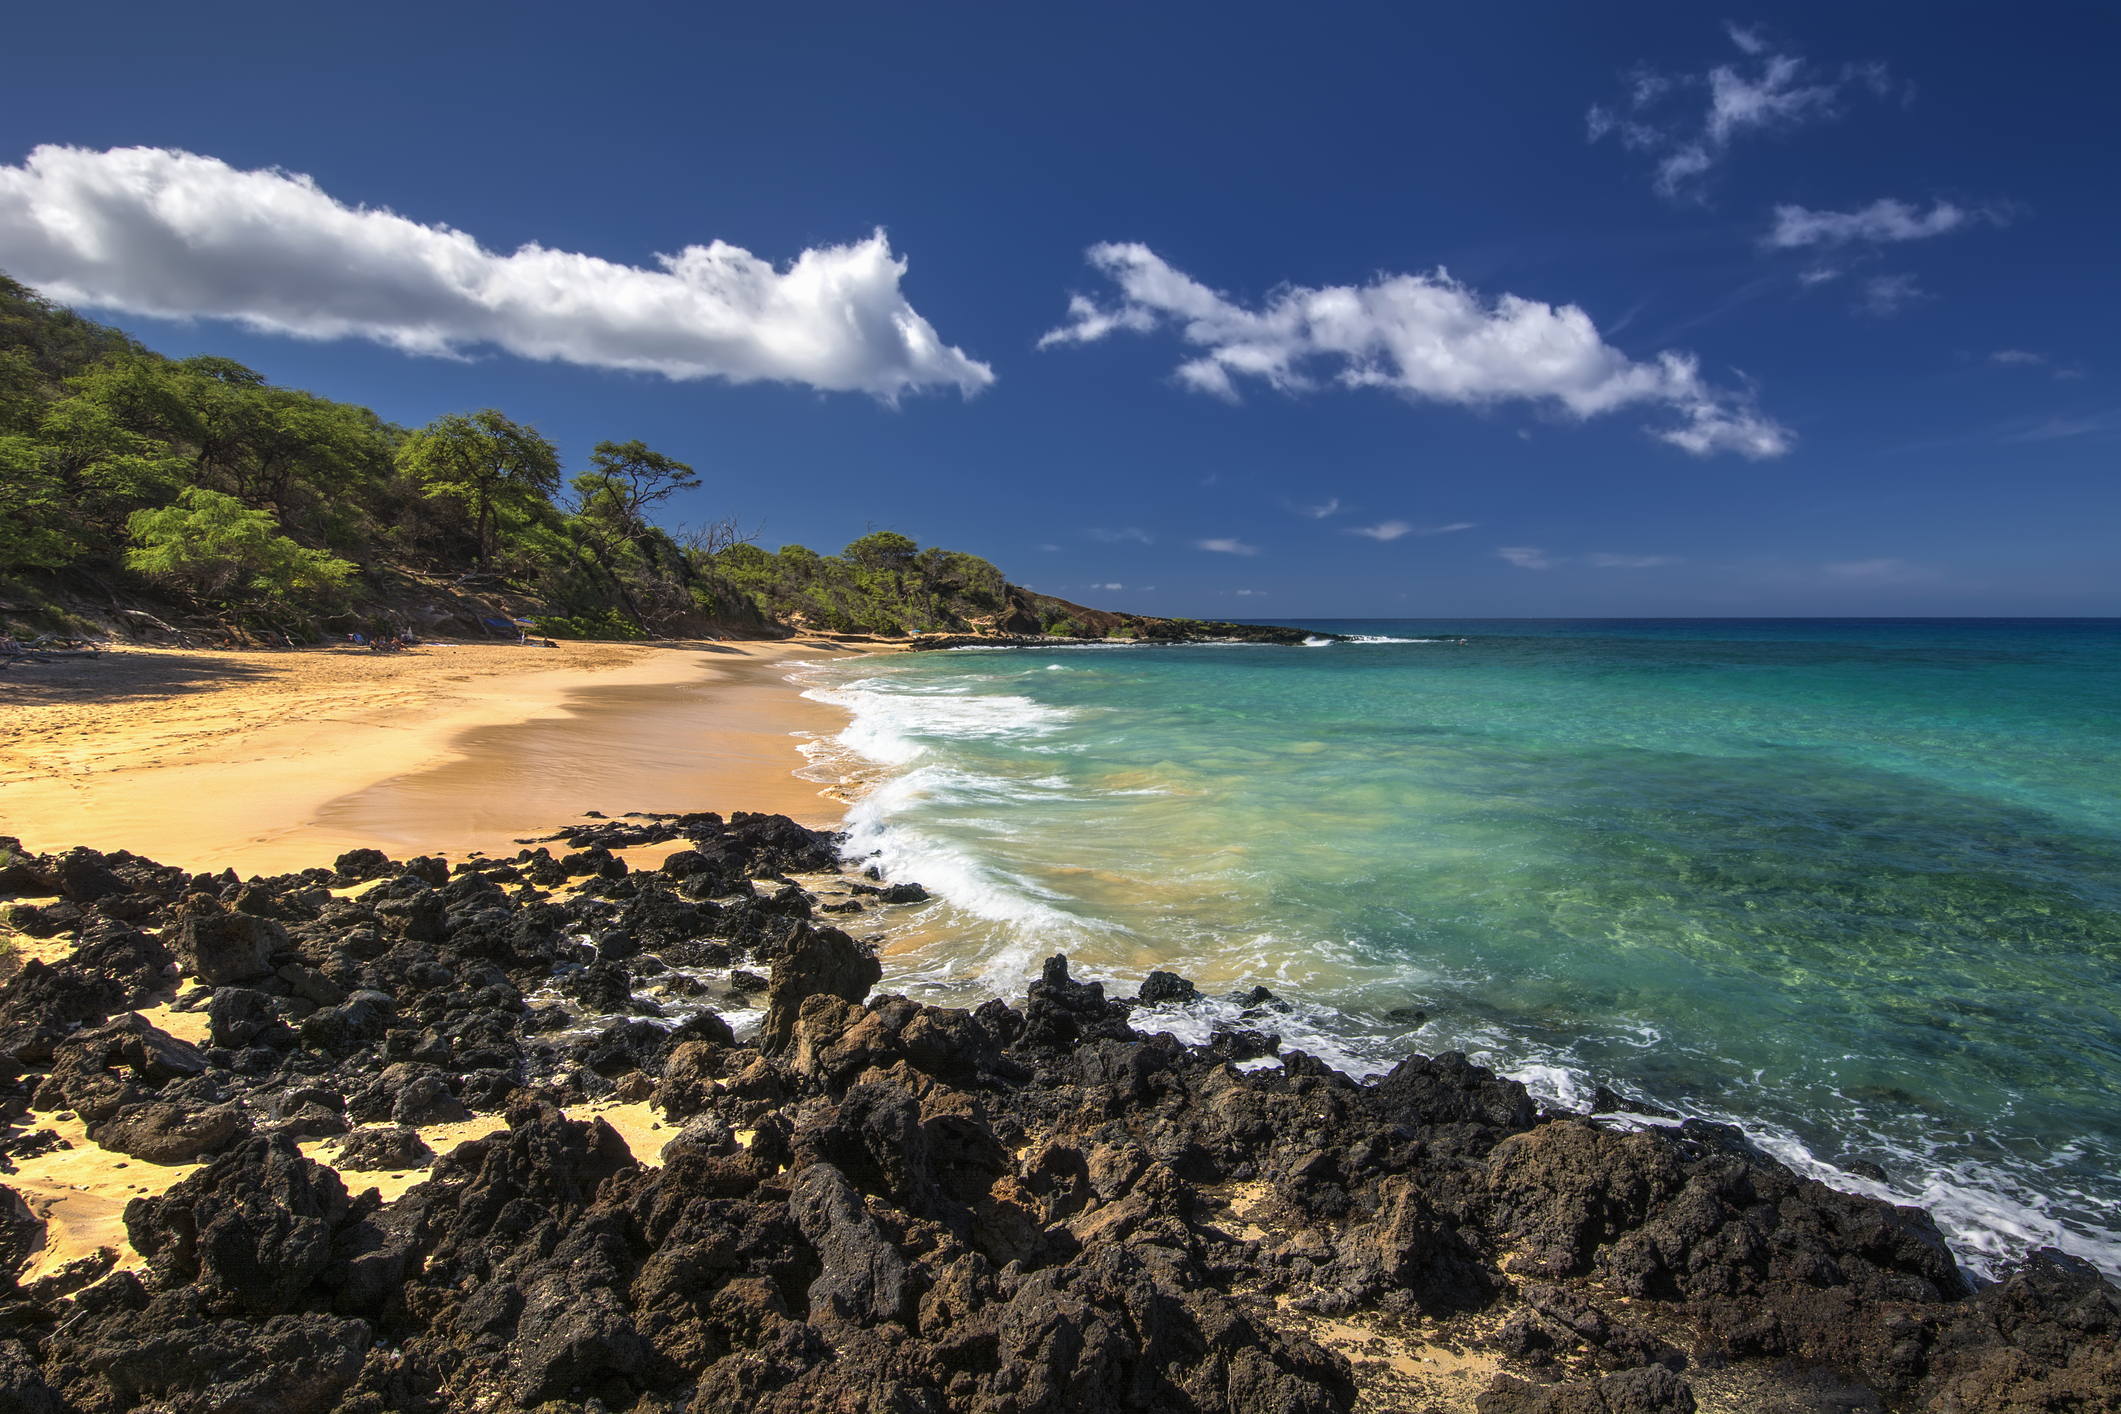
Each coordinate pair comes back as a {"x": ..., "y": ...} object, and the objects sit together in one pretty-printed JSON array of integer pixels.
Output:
[
  {"x": 212, "y": 544},
  {"x": 605, "y": 624}
]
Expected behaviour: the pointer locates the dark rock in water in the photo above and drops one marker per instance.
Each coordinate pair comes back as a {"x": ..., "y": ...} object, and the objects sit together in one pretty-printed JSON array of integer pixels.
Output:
[
  {"x": 219, "y": 949},
  {"x": 903, "y": 893},
  {"x": 170, "y": 1134},
  {"x": 1238, "y": 1043},
  {"x": 822, "y": 961},
  {"x": 853, "y": 905},
  {"x": 788, "y": 901},
  {"x": 602, "y": 987},
  {"x": 1605, "y": 1101},
  {"x": 1062, "y": 1012},
  {"x": 743, "y": 981},
  {"x": 394, "y": 1148},
  {"x": 699, "y": 954},
  {"x": 893, "y": 1206},
  {"x": 1864, "y": 1168},
  {"x": 1160, "y": 987},
  {"x": 1449, "y": 1089}
]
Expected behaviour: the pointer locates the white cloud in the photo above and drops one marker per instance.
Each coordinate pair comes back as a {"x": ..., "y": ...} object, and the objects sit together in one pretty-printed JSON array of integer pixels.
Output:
[
  {"x": 1108, "y": 586},
  {"x": 1394, "y": 529},
  {"x": 165, "y": 233},
  {"x": 1425, "y": 336},
  {"x": 1114, "y": 537},
  {"x": 2017, "y": 356},
  {"x": 1321, "y": 512},
  {"x": 1226, "y": 547},
  {"x": 1251, "y": 593},
  {"x": 1632, "y": 562},
  {"x": 1384, "y": 530},
  {"x": 1525, "y": 557},
  {"x": 1882, "y": 221},
  {"x": 1887, "y": 295},
  {"x": 1776, "y": 90}
]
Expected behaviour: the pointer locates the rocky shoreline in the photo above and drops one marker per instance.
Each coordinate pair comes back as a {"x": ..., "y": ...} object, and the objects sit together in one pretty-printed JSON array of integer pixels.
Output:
[{"x": 869, "y": 1204}]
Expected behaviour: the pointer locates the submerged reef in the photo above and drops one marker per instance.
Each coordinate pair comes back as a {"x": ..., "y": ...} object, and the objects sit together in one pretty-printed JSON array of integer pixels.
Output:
[{"x": 866, "y": 1203}]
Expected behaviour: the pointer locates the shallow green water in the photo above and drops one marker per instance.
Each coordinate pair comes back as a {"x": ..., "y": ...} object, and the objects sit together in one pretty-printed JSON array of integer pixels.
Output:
[{"x": 1855, "y": 885}]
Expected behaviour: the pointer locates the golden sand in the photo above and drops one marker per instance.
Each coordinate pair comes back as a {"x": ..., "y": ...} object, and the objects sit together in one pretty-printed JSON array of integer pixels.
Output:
[
  {"x": 272, "y": 761},
  {"x": 275, "y": 760}
]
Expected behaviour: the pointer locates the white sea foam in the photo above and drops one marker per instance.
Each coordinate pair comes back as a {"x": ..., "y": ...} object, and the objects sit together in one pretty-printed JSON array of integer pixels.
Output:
[{"x": 1988, "y": 1213}]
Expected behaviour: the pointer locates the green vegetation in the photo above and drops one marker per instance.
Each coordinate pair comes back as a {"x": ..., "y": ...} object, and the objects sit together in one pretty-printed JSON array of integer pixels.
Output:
[
  {"x": 196, "y": 484},
  {"x": 210, "y": 543},
  {"x": 883, "y": 583}
]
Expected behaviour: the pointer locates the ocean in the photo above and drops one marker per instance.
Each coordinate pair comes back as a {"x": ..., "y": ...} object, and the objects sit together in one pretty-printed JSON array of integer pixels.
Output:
[{"x": 1853, "y": 885}]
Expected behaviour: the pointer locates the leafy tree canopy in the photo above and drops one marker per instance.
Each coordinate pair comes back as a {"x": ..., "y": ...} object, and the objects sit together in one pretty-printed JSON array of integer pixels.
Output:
[{"x": 213, "y": 545}]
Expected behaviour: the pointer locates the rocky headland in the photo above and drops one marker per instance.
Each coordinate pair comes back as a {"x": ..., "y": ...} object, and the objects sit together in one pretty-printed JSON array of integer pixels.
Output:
[{"x": 860, "y": 1202}]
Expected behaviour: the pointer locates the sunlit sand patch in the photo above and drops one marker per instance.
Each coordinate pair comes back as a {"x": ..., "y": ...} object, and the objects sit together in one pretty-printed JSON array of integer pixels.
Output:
[
  {"x": 189, "y": 1026},
  {"x": 81, "y": 1194},
  {"x": 645, "y": 1135}
]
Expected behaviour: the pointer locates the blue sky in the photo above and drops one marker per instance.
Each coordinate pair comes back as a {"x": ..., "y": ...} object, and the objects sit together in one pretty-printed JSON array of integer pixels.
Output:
[{"x": 1383, "y": 310}]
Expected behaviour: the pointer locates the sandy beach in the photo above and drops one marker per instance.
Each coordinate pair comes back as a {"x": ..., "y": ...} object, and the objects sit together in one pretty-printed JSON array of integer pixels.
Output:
[{"x": 272, "y": 761}]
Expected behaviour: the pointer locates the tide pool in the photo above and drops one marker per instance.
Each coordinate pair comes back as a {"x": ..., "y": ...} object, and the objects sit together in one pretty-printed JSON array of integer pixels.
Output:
[{"x": 1854, "y": 885}]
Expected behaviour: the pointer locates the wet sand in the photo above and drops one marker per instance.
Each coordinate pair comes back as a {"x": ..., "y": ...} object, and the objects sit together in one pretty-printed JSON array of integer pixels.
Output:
[{"x": 274, "y": 761}]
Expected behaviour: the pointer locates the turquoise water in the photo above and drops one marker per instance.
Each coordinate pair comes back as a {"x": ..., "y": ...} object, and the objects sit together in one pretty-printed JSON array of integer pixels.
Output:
[{"x": 1855, "y": 885}]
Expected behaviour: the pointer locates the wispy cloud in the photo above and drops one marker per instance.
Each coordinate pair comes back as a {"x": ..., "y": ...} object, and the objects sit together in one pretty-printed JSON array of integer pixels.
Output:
[
  {"x": 164, "y": 233},
  {"x": 1394, "y": 529},
  {"x": 1882, "y": 222},
  {"x": 1689, "y": 121},
  {"x": 1525, "y": 557},
  {"x": 1383, "y": 530},
  {"x": 1251, "y": 593},
  {"x": 1320, "y": 512},
  {"x": 1886, "y": 295},
  {"x": 1423, "y": 336},
  {"x": 1226, "y": 547},
  {"x": 1881, "y": 571},
  {"x": 1114, "y": 537},
  {"x": 2017, "y": 356},
  {"x": 1632, "y": 562}
]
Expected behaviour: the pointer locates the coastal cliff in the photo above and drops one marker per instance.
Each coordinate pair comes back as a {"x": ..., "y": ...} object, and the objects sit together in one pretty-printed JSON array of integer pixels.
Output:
[{"x": 865, "y": 1202}]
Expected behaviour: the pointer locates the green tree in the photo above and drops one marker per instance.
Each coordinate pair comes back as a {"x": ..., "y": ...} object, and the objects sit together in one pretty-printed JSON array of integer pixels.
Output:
[
  {"x": 486, "y": 462},
  {"x": 625, "y": 478},
  {"x": 216, "y": 546}
]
